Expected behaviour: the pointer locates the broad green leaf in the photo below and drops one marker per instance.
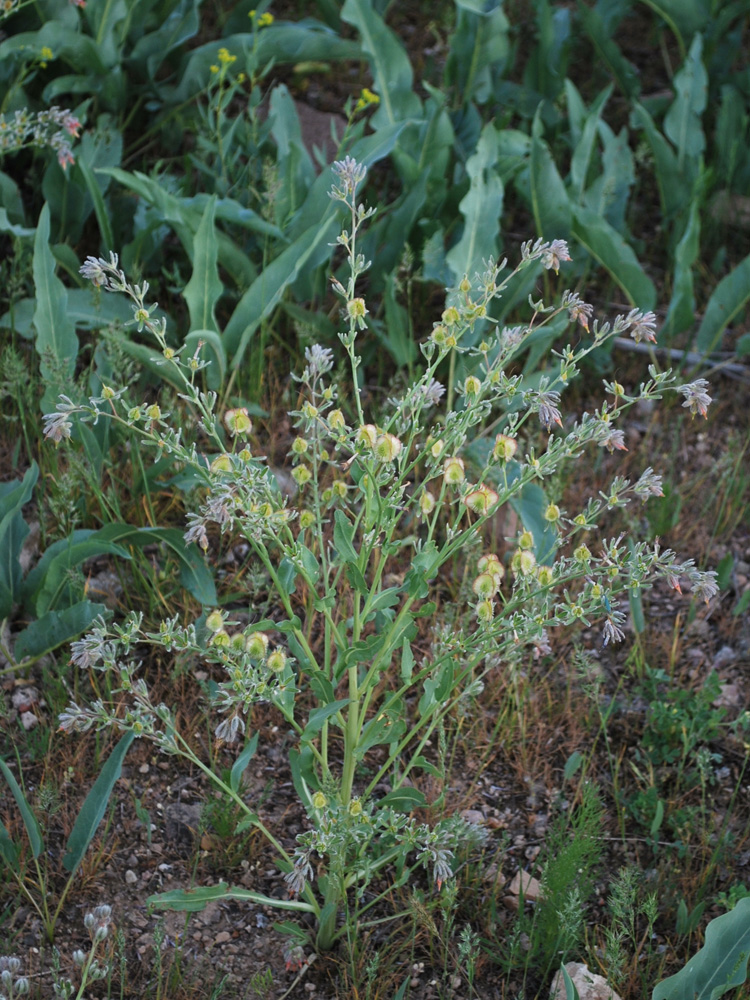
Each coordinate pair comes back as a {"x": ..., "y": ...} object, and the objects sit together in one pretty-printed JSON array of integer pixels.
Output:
[
  {"x": 530, "y": 505},
  {"x": 549, "y": 198},
  {"x": 424, "y": 566},
  {"x": 30, "y": 822},
  {"x": 581, "y": 159},
  {"x": 192, "y": 900},
  {"x": 481, "y": 208},
  {"x": 181, "y": 24},
  {"x": 8, "y": 848},
  {"x": 13, "y": 531},
  {"x": 404, "y": 800},
  {"x": 607, "y": 52},
  {"x": 720, "y": 965},
  {"x": 238, "y": 768},
  {"x": 55, "y": 629},
  {"x": 684, "y": 17},
  {"x": 11, "y": 200},
  {"x": 343, "y": 533},
  {"x": 295, "y": 171},
  {"x": 56, "y": 341},
  {"x": 70, "y": 46},
  {"x": 682, "y": 122},
  {"x": 265, "y": 293},
  {"x": 195, "y": 575},
  {"x": 203, "y": 290},
  {"x": 608, "y": 194},
  {"x": 611, "y": 251},
  {"x": 367, "y": 151},
  {"x": 279, "y": 43},
  {"x": 681, "y": 313},
  {"x": 100, "y": 209},
  {"x": 545, "y": 69},
  {"x": 479, "y": 48},
  {"x": 729, "y": 298},
  {"x": 674, "y": 188},
  {"x": 93, "y": 809},
  {"x": 389, "y": 63},
  {"x": 108, "y": 24},
  {"x": 319, "y": 715},
  {"x": 6, "y": 226},
  {"x": 48, "y": 585}
]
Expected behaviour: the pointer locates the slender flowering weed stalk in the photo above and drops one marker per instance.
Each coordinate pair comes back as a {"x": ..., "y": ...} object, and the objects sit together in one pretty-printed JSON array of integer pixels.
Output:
[{"x": 372, "y": 498}]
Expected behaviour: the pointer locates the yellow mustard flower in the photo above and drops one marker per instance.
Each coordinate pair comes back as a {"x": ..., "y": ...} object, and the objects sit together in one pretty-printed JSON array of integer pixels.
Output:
[{"x": 226, "y": 58}]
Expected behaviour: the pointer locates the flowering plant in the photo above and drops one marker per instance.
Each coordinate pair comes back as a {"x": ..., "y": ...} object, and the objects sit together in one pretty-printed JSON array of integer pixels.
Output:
[{"x": 354, "y": 656}]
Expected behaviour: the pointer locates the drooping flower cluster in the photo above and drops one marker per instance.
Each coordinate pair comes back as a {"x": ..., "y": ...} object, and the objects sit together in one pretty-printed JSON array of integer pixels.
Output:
[{"x": 52, "y": 128}]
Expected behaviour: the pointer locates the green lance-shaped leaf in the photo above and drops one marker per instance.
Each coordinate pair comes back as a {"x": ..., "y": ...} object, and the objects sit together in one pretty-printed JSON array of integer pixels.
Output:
[
  {"x": 238, "y": 768},
  {"x": 549, "y": 198},
  {"x": 609, "y": 248},
  {"x": 93, "y": 809},
  {"x": 729, "y": 297},
  {"x": 56, "y": 341},
  {"x": 47, "y": 586},
  {"x": 266, "y": 291},
  {"x": 192, "y": 900},
  {"x": 720, "y": 965},
  {"x": 33, "y": 830},
  {"x": 195, "y": 575},
  {"x": 55, "y": 629},
  {"x": 13, "y": 531},
  {"x": 674, "y": 188},
  {"x": 203, "y": 290},
  {"x": 389, "y": 63},
  {"x": 481, "y": 208},
  {"x": 682, "y": 123},
  {"x": 681, "y": 313}
]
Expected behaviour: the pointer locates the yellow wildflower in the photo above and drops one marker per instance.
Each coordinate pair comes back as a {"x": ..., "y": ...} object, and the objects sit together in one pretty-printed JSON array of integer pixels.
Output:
[{"x": 225, "y": 57}]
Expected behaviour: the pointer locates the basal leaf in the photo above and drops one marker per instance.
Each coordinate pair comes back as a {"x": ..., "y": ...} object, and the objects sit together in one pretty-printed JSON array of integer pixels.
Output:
[
  {"x": 681, "y": 313},
  {"x": 55, "y": 629},
  {"x": 481, "y": 208},
  {"x": 30, "y": 822},
  {"x": 682, "y": 122},
  {"x": 95, "y": 805},
  {"x": 549, "y": 198},
  {"x": 720, "y": 965},
  {"x": 203, "y": 290},
  {"x": 13, "y": 531},
  {"x": 729, "y": 298},
  {"x": 609, "y": 248},
  {"x": 267, "y": 290},
  {"x": 389, "y": 63},
  {"x": 56, "y": 341}
]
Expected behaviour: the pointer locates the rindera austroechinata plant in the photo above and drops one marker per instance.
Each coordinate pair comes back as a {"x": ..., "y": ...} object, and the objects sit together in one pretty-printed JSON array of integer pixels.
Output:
[{"x": 371, "y": 499}]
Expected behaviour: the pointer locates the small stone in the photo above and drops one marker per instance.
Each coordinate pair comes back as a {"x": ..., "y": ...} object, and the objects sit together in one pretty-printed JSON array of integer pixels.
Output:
[
  {"x": 590, "y": 986},
  {"x": 29, "y": 720},
  {"x": 222, "y": 937},
  {"x": 524, "y": 883},
  {"x": 144, "y": 769},
  {"x": 130, "y": 877},
  {"x": 474, "y": 816},
  {"x": 24, "y": 698}
]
